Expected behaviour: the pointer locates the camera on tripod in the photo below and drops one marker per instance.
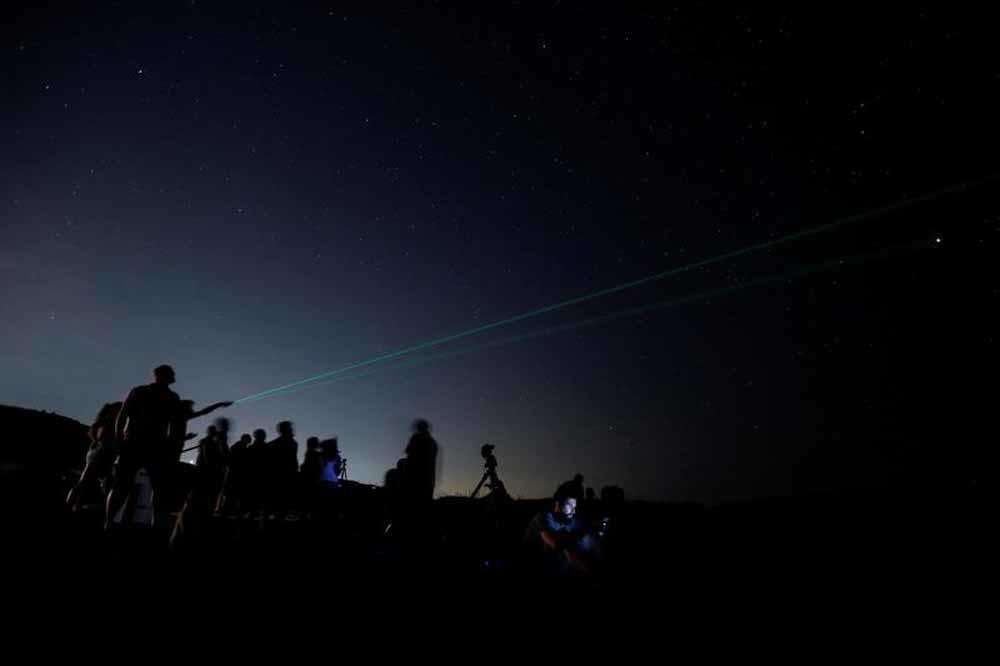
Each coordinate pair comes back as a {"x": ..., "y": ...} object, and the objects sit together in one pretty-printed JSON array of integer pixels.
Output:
[{"x": 490, "y": 478}]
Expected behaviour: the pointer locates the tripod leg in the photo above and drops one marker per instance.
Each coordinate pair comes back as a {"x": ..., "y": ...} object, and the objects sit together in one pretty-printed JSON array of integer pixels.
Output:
[
  {"x": 479, "y": 485},
  {"x": 496, "y": 485}
]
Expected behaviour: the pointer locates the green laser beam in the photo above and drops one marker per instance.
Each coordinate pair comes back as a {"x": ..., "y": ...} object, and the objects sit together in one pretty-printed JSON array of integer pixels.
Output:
[
  {"x": 899, "y": 250},
  {"x": 629, "y": 285}
]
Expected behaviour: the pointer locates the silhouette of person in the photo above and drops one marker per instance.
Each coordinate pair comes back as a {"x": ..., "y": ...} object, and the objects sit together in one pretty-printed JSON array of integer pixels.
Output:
[
  {"x": 396, "y": 491},
  {"x": 284, "y": 457},
  {"x": 310, "y": 472},
  {"x": 328, "y": 488},
  {"x": 100, "y": 458},
  {"x": 395, "y": 478},
  {"x": 208, "y": 454},
  {"x": 211, "y": 465},
  {"x": 259, "y": 473},
  {"x": 212, "y": 461},
  {"x": 312, "y": 465},
  {"x": 421, "y": 457},
  {"x": 332, "y": 463},
  {"x": 234, "y": 486},
  {"x": 143, "y": 430},
  {"x": 222, "y": 428}
]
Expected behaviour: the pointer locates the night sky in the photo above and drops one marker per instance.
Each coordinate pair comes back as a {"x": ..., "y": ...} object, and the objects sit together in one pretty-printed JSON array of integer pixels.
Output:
[{"x": 256, "y": 194}]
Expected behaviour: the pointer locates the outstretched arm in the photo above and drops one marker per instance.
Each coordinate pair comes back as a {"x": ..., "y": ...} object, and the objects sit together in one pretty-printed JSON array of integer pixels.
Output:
[{"x": 211, "y": 408}]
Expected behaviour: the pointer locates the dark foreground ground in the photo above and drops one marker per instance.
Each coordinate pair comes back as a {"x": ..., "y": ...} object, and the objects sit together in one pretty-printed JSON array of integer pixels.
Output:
[{"x": 871, "y": 549}]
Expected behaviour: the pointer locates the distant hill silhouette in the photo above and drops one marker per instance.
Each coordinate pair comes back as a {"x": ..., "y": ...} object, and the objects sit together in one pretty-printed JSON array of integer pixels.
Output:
[{"x": 42, "y": 441}]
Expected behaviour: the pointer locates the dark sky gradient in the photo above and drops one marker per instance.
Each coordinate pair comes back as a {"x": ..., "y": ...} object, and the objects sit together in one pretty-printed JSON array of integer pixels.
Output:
[{"x": 257, "y": 194}]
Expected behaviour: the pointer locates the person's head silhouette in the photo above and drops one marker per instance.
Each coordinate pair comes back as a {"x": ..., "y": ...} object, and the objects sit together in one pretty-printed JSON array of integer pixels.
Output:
[{"x": 164, "y": 375}]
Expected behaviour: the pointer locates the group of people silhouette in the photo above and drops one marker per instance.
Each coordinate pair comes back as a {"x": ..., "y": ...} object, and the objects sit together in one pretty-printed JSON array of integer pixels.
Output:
[{"x": 144, "y": 436}]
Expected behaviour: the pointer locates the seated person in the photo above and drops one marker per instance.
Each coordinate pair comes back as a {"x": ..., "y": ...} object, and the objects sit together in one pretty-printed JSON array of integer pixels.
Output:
[
  {"x": 557, "y": 542},
  {"x": 332, "y": 463}
]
